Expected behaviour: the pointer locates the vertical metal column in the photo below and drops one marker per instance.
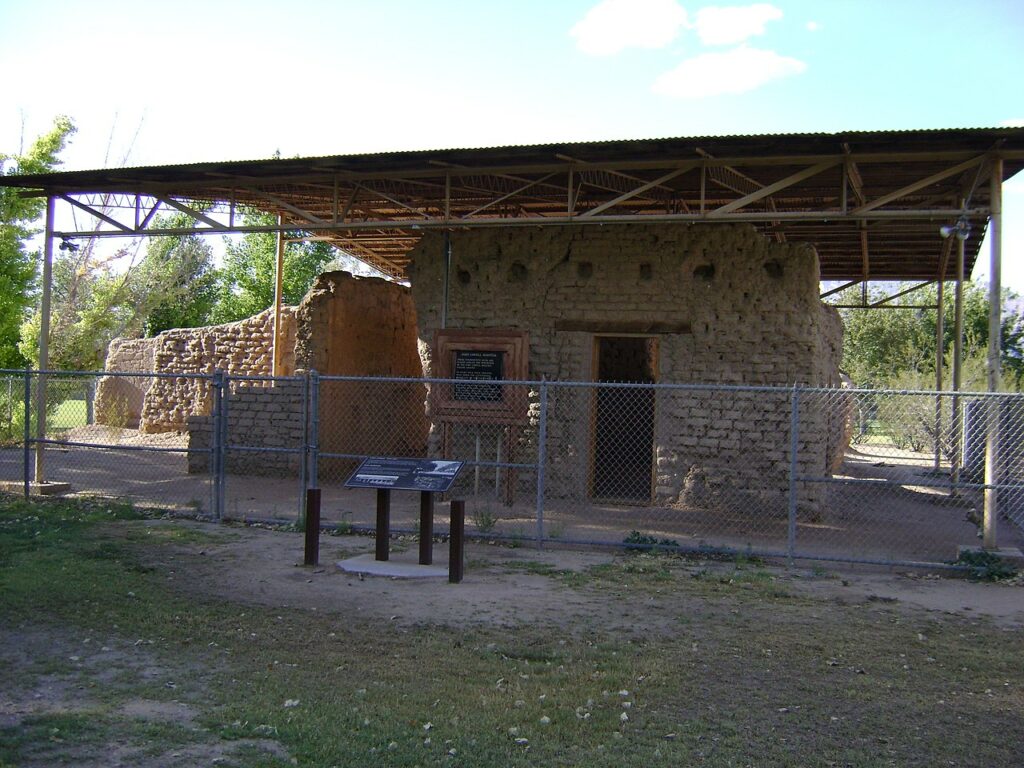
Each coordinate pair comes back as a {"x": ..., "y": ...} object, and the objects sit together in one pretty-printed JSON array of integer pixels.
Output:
[
  {"x": 275, "y": 361},
  {"x": 27, "y": 458},
  {"x": 794, "y": 447},
  {"x": 304, "y": 454},
  {"x": 44, "y": 342},
  {"x": 222, "y": 445},
  {"x": 314, "y": 430},
  {"x": 447, "y": 261},
  {"x": 994, "y": 329},
  {"x": 939, "y": 338},
  {"x": 214, "y": 449},
  {"x": 542, "y": 453},
  {"x": 958, "y": 353}
]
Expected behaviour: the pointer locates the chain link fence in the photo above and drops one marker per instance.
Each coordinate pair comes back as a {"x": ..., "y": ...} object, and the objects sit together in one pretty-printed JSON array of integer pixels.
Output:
[{"x": 835, "y": 474}]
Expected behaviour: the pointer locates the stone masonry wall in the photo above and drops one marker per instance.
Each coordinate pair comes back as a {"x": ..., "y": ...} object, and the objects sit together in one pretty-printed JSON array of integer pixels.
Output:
[{"x": 750, "y": 315}]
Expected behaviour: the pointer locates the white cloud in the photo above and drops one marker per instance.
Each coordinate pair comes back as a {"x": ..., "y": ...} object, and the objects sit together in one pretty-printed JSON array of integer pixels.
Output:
[
  {"x": 1017, "y": 122},
  {"x": 737, "y": 71},
  {"x": 614, "y": 25},
  {"x": 734, "y": 24},
  {"x": 813, "y": 26}
]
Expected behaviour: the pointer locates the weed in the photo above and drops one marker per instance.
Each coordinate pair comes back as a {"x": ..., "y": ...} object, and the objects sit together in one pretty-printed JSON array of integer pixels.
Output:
[
  {"x": 484, "y": 518},
  {"x": 643, "y": 542},
  {"x": 985, "y": 566}
]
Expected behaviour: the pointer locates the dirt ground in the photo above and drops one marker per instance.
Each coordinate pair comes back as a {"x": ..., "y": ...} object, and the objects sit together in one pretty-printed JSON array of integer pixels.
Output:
[{"x": 508, "y": 587}]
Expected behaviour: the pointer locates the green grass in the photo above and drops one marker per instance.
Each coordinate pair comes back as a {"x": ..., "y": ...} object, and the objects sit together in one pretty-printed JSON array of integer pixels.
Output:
[{"x": 747, "y": 675}]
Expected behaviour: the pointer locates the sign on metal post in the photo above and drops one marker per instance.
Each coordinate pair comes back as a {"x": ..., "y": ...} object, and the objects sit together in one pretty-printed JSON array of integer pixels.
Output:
[{"x": 434, "y": 475}]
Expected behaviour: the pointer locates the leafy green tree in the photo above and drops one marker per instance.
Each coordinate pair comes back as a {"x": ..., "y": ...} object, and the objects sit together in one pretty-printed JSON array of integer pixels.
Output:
[
  {"x": 896, "y": 348},
  {"x": 247, "y": 273},
  {"x": 176, "y": 284},
  {"x": 17, "y": 217}
]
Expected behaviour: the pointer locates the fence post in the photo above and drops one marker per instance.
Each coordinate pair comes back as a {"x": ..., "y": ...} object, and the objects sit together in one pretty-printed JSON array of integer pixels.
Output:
[
  {"x": 794, "y": 447},
  {"x": 222, "y": 469},
  {"x": 28, "y": 431},
  {"x": 90, "y": 396},
  {"x": 218, "y": 438},
  {"x": 542, "y": 445},
  {"x": 314, "y": 429}
]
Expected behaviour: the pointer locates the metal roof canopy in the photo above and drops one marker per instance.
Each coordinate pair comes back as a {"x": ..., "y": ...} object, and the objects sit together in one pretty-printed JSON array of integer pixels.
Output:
[{"x": 870, "y": 202}]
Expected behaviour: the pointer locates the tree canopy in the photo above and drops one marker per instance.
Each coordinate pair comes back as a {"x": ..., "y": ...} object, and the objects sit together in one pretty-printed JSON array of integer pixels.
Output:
[
  {"x": 18, "y": 217},
  {"x": 896, "y": 348}
]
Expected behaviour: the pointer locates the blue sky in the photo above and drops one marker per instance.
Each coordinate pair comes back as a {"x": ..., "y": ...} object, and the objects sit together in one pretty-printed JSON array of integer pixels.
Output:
[{"x": 193, "y": 81}]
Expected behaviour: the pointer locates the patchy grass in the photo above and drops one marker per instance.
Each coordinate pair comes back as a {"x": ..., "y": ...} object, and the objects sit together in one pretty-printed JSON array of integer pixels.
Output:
[{"x": 750, "y": 675}]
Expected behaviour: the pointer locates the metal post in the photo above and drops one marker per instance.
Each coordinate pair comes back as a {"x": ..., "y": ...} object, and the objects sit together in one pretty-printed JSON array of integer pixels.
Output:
[
  {"x": 90, "y": 397},
  {"x": 222, "y": 446},
  {"x": 26, "y": 459},
  {"x": 456, "y": 542},
  {"x": 44, "y": 341},
  {"x": 994, "y": 329},
  {"x": 476, "y": 468},
  {"x": 304, "y": 456},
  {"x": 383, "y": 530},
  {"x": 447, "y": 266},
  {"x": 497, "y": 469},
  {"x": 275, "y": 362},
  {"x": 214, "y": 449},
  {"x": 542, "y": 440},
  {"x": 794, "y": 447},
  {"x": 958, "y": 353},
  {"x": 426, "y": 527},
  {"x": 312, "y": 549},
  {"x": 314, "y": 429},
  {"x": 939, "y": 338}
]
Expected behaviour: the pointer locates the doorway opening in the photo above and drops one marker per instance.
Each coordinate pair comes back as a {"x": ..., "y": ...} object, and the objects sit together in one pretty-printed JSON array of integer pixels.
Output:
[{"x": 623, "y": 435}]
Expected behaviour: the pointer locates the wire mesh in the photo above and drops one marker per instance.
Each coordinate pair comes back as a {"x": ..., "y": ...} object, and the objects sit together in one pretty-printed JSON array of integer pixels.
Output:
[
  {"x": 89, "y": 437},
  {"x": 859, "y": 475}
]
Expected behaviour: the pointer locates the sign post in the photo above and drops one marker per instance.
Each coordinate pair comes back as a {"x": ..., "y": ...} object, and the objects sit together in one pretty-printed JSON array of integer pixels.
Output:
[{"x": 428, "y": 476}]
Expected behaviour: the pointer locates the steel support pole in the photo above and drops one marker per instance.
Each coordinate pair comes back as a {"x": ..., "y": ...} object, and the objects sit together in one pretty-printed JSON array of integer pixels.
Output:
[
  {"x": 275, "y": 364},
  {"x": 44, "y": 342},
  {"x": 958, "y": 354},
  {"x": 27, "y": 459},
  {"x": 794, "y": 449},
  {"x": 995, "y": 234},
  {"x": 939, "y": 338},
  {"x": 447, "y": 262},
  {"x": 542, "y": 453}
]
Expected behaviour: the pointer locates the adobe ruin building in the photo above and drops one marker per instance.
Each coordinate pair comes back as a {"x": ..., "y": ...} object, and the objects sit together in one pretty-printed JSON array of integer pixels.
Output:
[{"x": 712, "y": 305}]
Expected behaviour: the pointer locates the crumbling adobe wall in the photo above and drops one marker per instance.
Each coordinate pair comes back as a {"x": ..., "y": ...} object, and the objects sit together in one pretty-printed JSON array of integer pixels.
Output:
[
  {"x": 750, "y": 312},
  {"x": 120, "y": 399},
  {"x": 363, "y": 326},
  {"x": 240, "y": 348}
]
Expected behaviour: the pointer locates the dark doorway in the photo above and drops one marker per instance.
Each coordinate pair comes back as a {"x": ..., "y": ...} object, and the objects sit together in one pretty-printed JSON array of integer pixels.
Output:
[{"x": 623, "y": 464}]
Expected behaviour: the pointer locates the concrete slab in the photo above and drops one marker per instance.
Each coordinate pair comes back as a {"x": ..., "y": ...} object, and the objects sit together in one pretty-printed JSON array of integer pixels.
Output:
[
  {"x": 36, "y": 489},
  {"x": 395, "y": 569}
]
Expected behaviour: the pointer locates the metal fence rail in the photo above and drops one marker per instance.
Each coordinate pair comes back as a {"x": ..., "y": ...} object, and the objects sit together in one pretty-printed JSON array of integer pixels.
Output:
[{"x": 835, "y": 474}]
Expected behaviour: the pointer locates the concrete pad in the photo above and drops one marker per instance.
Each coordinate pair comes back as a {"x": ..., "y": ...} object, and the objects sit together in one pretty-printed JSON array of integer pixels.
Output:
[
  {"x": 396, "y": 569},
  {"x": 36, "y": 489}
]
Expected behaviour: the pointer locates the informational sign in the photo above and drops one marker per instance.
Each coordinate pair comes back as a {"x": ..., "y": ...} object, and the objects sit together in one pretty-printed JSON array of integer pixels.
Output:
[
  {"x": 478, "y": 365},
  {"x": 483, "y": 366},
  {"x": 405, "y": 474}
]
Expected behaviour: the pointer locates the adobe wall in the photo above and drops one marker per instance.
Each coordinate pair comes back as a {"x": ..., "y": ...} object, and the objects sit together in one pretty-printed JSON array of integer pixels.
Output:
[
  {"x": 120, "y": 399},
  {"x": 363, "y": 326},
  {"x": 750, "y": 315},
  {"x": 165, "y": 404}
]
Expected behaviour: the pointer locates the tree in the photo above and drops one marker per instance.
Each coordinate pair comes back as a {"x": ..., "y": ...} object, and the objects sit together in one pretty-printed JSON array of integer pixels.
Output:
[
  {"x": 896, "y": 348},
  {"x": 247, "y": 274},
  {"x": 17, "y": 215},
  {"x": 175, "y": 285}
]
